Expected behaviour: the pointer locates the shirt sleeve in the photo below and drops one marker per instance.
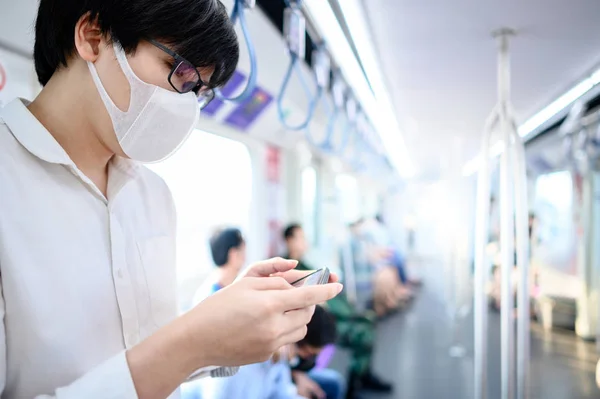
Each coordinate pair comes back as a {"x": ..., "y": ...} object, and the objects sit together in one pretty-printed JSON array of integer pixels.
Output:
[{"x": 109, "y": 380}]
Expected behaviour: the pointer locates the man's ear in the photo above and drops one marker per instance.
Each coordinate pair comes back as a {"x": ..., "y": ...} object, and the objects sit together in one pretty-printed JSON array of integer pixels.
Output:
[{"x": 88, "y": 38}]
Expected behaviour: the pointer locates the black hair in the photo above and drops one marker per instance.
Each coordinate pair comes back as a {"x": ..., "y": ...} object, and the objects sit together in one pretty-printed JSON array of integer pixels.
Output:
[
  {"x": 222, "y": 241},
  {"x": 198, "y": 30},
  {"x": 290, "y": 230},
  {"x": 321, "y": 329}
]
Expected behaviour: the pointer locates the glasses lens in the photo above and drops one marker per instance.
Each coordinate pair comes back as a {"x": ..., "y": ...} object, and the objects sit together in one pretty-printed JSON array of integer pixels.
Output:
[
  {"x": 185, "y": 77},
  {"x": 205, "y": 97}
]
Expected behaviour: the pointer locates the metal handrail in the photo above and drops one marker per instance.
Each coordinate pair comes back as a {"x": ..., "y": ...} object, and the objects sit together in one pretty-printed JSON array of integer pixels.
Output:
[{"x": 513, "y": 205}]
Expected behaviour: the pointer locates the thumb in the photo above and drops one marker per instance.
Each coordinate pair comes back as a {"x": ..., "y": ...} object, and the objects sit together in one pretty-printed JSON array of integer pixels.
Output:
[{"x": 271, "y": 266}]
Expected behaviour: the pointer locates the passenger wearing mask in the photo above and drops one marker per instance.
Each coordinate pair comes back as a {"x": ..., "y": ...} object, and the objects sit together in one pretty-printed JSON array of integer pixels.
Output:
[
  {"x": 355, "y": 330},
  {"x": 88, "y": 234},
  {"x": 311, "y": 382}
]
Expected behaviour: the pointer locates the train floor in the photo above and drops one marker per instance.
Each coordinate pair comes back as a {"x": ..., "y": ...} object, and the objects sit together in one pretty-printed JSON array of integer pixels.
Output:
[{"x": 413, "y": 350}]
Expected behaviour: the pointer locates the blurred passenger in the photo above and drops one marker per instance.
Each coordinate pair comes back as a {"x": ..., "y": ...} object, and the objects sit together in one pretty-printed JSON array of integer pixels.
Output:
[
  {"x": 356, "y": 330},
  {"x": 228, "y": 250},
  {"x": 88, "y": 234},
  {"x": 311, "y": 382},
  {"x": 363, "y": 272},
  {"x": 296, "y": 245},
  {"x": 389, "y": 293}
]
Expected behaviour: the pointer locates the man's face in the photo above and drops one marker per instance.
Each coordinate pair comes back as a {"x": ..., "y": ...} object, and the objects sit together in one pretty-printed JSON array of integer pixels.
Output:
[
  {"x": 149, "y": 63},
  {"x": 237, "y": 256},
  {"x": 298, "y": 243}
]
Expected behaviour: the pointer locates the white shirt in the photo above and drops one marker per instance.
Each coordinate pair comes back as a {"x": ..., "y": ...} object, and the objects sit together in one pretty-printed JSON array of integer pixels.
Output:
[{"x": 83, "y": 277}]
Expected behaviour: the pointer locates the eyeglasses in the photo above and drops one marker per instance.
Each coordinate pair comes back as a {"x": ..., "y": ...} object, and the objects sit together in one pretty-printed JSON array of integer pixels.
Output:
[{"x": 184, "y": 77}]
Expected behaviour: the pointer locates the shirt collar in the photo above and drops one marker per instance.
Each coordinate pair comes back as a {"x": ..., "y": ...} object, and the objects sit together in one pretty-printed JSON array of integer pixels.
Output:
[{"x": 32, "y": 135}]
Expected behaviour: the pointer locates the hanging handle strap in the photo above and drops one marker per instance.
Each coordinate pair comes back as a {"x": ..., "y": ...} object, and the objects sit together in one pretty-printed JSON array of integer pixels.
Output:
[
  {"x": 294, "y": 27},
  {"x": 238, "y": 13}
]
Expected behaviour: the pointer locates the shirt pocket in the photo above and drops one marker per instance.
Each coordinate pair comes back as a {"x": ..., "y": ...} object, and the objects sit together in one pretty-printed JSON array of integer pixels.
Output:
[{"x": 157, "y": 258}]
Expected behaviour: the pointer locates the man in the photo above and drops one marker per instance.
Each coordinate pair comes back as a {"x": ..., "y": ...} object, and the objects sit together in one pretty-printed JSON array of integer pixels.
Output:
[
  {"x": 228, "y": 250},
  {"x": 356, "y": 331},
  {"x": 87, "y": 234},
  {"x": 316, "y": 383}
]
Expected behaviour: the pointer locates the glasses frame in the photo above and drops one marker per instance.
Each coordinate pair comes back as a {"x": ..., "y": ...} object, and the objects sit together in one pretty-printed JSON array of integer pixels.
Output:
[{"x": 178, "y": 61}]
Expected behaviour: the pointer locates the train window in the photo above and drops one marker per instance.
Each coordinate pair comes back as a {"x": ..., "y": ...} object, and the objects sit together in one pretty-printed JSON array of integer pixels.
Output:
[
  {"x": 309, "y": 203},
  {"x": 348, "y": 197},
  {"x": 211, "y": 181},
  {"x": 555, "y": 228}
]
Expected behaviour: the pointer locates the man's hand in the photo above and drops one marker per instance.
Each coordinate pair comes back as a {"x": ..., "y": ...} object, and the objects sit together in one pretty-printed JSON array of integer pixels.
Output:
[
  {"x": 249, "y": 320},
  {"x": 307, "y": 387},
  {"x": 243, "y": 323},
  {"x": 279, "y": 267}
]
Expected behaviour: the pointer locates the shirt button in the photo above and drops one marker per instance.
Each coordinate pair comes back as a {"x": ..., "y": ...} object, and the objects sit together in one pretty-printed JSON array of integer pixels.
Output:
[{"x": 119, "y": 273}]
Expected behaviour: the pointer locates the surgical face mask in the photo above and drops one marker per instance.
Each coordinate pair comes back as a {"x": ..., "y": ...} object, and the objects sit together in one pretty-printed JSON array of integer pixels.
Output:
[{"x": 158, "y": 120}]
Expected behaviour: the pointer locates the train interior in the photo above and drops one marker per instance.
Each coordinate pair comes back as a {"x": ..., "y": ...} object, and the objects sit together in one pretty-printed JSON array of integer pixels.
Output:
[{"x": 353, "y": 113}]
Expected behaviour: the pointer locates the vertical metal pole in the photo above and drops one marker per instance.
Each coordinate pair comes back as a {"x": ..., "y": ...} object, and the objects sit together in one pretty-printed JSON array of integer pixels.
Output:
[
  {"x": 522, "y": 230},
  {"x": 481, "y": 264},
  {"x": 507, "y": 235}
]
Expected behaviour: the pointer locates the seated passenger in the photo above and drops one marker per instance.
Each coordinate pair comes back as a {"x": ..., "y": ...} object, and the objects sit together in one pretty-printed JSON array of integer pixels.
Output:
[
  {"x": 356, "y": 330},
  {"x": 228, "y": 250},
  {"x": 394, "y": 254},
  {"x": 311, "y": 382},
  {"x": 373, "y": 266}
]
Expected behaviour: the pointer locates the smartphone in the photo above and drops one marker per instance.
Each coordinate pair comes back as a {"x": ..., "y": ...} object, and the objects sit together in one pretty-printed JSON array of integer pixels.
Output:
[{"x": 317, "y": 277}]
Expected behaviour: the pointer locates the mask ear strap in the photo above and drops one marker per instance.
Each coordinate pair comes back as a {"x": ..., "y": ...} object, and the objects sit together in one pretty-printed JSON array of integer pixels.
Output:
[
  {"x": 122, "y": 59},
  {"x": 108, "y": 102}
]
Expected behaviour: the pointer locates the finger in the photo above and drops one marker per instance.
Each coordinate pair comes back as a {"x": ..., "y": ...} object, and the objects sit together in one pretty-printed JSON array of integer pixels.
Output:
[
  {"x": 302, "y": 297},
  {"x": 271, "y": 266},
  {"x": 270, "y": 283},
  {"x": 333, "y": 278},
  {"x": 294, "y": 336},
  {"x": 295, "y": 275},
  {"x": 296, "y": 319}
]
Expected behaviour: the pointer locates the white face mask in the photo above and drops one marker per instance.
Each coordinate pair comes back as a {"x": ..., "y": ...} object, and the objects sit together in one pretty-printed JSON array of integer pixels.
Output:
[{"x": 157, "y": 122}]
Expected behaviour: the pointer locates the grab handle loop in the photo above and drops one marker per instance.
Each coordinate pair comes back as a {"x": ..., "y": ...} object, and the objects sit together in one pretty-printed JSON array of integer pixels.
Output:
[{"x": 238, "y": 13}]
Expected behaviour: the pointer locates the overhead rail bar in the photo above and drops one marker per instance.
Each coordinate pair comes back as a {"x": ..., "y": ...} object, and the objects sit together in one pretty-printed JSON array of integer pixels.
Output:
[
  {"x": 294, "y": 28},
  {"x": 577, "y": 120},
  {"x": 239, "y": 8},
  {"x": 513, "y": 207}
]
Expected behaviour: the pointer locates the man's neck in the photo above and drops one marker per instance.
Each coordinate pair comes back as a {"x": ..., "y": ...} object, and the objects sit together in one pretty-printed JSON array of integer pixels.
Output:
[
  {"x": 227, "y": 275},
  {"x": 64, "y": 115}
]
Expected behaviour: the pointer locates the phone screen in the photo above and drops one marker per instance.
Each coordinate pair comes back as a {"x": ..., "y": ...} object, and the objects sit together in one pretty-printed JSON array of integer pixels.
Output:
[{"x": 320, "y": 276}]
